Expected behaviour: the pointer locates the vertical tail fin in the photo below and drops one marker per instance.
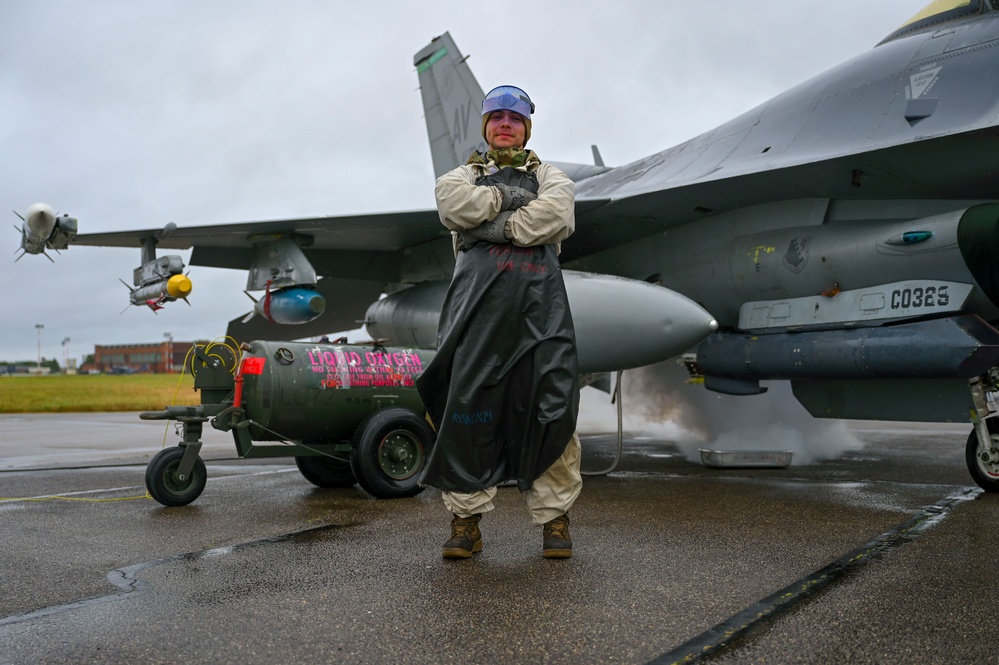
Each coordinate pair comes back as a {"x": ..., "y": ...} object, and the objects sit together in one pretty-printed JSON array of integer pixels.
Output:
[{"x": 452, "y": 103}]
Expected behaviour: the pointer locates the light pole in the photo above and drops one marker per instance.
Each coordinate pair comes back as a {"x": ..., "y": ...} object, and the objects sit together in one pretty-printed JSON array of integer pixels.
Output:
[
  {"x": 169, "y": 354},
  {"x": 65, "y": 355},
  {"x": 39, "y": 326}
]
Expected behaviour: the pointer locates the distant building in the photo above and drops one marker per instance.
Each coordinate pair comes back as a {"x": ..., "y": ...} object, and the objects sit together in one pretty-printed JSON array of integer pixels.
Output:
[
  {"x": 158, "y": 358},
  {"x": 29, "y": 369}
]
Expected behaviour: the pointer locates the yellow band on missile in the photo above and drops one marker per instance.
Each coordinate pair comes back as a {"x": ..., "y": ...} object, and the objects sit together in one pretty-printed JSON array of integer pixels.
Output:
[{"x": 179, "y": 286}]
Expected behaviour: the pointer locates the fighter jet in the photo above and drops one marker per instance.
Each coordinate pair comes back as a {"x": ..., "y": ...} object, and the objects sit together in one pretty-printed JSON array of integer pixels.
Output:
[{"x": 843, "y": 236}]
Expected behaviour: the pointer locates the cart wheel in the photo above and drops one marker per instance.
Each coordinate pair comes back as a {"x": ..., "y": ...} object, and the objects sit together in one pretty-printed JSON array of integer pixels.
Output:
[
  {"x": 163, "y": 484},
  {"x": 326, "y": 472},
  {"x": 390, "y": 449}
]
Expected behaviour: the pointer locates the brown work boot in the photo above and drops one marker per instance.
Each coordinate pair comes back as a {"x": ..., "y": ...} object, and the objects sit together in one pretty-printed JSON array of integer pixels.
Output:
[
  {"x": 557, "y": 543},
  {"x": 466, "y": 539}
]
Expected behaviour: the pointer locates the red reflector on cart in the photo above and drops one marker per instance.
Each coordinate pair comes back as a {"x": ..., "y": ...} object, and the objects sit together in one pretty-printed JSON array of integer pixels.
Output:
[{"x": 253, "y": 365}]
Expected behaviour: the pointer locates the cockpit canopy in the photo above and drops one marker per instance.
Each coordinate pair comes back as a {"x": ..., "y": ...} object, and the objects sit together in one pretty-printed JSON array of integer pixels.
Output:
[{"x": 939, "y": 12}]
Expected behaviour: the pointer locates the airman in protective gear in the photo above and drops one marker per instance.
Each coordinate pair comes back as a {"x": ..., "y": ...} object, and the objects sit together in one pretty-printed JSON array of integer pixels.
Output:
[{"x": 503, "y": 389}]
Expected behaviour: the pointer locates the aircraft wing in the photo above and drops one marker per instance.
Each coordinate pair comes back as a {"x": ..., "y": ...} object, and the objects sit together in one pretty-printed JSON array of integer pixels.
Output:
[
  {"x": 366, "y": 231},
  {"x": 369, "y": 241},
  {"x": 355, "y": 259},
  {"x": 380, "y": 247}
]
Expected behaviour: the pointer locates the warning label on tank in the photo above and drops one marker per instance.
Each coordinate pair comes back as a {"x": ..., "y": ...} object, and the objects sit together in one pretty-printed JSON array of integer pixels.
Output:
[{"x": 350, "y": 367}]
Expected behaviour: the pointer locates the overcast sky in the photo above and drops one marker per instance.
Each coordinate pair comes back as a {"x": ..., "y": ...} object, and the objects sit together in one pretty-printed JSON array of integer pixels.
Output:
[{"x": 135, "y": 114}]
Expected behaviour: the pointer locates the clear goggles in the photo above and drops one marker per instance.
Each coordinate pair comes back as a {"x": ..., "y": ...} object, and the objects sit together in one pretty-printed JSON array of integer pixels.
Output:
[{"x": 509, "y": 98}]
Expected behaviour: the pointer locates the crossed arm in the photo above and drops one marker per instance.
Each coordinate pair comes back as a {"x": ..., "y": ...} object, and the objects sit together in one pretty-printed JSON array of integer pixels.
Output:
[{"x": 496, "y": 214}]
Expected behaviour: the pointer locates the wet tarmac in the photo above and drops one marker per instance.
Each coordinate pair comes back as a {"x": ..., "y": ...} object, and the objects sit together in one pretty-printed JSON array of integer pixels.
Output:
[{"x": 880, "y": 556}]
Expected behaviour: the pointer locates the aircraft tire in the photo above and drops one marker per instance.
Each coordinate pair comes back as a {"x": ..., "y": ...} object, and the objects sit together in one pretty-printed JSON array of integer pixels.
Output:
[
  {"x": 985, "y": 474},
  {"x": 326, "y": 472},
  {"x": 390, "y": 450},
  {"x": 164, "y": 486}
]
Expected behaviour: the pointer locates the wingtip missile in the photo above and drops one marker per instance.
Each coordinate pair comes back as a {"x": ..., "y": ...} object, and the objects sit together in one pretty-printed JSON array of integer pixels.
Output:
[{"x": 42, "y": 229}]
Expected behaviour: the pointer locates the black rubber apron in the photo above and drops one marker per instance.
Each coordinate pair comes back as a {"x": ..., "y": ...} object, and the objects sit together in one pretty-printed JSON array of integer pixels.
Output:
[{"x": 503, "y": 389}]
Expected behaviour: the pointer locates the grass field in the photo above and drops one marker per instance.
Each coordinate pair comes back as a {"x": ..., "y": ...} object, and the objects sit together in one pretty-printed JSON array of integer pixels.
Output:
[{"x": 102, "y": 392}]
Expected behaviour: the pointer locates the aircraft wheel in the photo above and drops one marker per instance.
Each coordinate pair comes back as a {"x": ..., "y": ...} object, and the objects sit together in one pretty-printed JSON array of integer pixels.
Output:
[
  {"x": 326, "y": 472},
  {"x": 162, "y": 482},
  {"x": 985, "y": 473},
  {"x": 390, "y": 449}
]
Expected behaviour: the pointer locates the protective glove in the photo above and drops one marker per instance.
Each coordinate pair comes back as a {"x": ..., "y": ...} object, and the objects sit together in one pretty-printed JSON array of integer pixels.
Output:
[
  {"x": 493, "y": 231},
  {"x": 514, "y": 197},
  {"x": 465, "y": 241}
]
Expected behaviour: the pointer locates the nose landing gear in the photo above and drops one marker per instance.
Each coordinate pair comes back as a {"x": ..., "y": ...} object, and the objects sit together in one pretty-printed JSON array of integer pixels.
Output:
[
  {"x": 982, "y": 450},
  {"x": 983, "y": 460}
]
